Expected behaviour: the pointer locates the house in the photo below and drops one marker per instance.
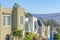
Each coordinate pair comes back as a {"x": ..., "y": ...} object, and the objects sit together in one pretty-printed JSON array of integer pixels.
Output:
[
  {"x": 35, "y": 25},
  {"x": 14, "y": 18},
  {"x": 11, "y": 18},
  {"x": 47, "y": 32},
  {"x": 31, "y": 24},
  {"x": 43, "y": 31}
]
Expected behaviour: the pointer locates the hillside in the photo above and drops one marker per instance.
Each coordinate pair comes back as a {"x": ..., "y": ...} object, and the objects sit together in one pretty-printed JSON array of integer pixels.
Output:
[{"x": 55, "y": 16}]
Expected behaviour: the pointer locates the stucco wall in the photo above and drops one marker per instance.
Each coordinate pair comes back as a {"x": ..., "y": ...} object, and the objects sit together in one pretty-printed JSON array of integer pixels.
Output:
[
  {"x": 16, "y": 18},
  {"x": 0, "y": 25},
  {"x": 21, "y": 12},
  {"x": 4, "y": 30}
]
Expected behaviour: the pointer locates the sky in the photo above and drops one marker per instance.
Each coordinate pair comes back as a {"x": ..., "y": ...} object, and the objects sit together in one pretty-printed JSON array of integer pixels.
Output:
[{"x": 34, "y": 6}]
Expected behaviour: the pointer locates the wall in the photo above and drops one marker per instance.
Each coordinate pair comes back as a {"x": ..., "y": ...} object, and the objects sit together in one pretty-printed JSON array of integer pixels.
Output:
[{"x": 4, "y": 30}]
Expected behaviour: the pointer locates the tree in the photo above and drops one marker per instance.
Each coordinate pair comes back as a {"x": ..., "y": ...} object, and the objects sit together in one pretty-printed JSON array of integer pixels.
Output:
[
  {"x": 58, "y": 29},
  {"x": 18, "y": 33},
  {"x": 16, "y": 5},
  {"x": 28, "y": 14},
  {"x": 56, "y": 36},
  {"x": 51, "y": 22}
]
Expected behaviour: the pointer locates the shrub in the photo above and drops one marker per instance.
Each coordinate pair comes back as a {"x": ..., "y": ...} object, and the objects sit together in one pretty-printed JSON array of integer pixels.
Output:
[{"x": 30, "y": 36}]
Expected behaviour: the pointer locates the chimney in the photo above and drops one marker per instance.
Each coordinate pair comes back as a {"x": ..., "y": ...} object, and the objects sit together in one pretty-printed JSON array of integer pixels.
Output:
[{"x": 14, "y": 15}]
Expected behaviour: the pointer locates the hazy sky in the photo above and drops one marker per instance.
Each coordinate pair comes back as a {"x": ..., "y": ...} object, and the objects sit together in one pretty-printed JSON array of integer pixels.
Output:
[{"x": 35, "y": 6}]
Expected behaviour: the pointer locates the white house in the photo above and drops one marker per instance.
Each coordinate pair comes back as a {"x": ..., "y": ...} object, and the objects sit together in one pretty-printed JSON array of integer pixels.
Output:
[{"x": 31, "y": 24}]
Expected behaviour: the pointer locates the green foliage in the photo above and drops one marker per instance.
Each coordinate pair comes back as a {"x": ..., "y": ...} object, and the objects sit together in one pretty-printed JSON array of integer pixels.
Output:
[
  {"x": 58, "y": 29},
  {"x": 30, "y": 36},
  {"x": 28, "y": 14},
  {"x": 16, "y": 5},
  {"x": 17, "y": 33},
  {"x": 51, "y": 22},
  {"x": 56, "y": 36},
  {"x": 36, "y": 37}
]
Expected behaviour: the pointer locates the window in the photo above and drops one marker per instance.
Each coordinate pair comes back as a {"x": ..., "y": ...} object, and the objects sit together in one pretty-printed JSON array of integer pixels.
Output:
[
  {"x": 39, "y": 23},
  {"x": 35, "y": 23},
  {"x": 7, "y": 20},
  {"x": 21, "y": 19},
  {"x": 29, "y": 20},
  {"x": 26, "y": 28}
]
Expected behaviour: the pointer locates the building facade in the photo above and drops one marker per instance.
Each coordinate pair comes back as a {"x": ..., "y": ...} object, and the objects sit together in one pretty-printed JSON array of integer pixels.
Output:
[
  {"x": 43, "y": 31},
  {"x": 10, "y": 19},
  {"x": 31, "y": 24}
]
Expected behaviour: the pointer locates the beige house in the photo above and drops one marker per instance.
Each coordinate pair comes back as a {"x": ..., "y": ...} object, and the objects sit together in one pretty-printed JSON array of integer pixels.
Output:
[
  {"x": 11, "y": 18},
  {"x": 43, "y": 31}
]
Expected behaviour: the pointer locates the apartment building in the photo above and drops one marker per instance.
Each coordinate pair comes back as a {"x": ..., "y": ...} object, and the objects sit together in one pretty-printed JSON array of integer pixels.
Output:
[{"x": 11, "y": 18}]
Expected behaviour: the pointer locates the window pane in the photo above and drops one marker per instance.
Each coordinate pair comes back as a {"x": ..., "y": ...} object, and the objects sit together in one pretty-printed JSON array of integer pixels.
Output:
[
  {"x": 7, "y": 20},
  {"x": 26, "y": 28},
  {"x": 21, "y": 19},
  {"x": 35, "y": 23}
]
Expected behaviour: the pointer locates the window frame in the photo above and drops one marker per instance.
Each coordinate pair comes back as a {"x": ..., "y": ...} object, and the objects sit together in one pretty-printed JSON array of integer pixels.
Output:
[
  {"x": 10, "y": 19},
  {"x": 20, "y": 19}
]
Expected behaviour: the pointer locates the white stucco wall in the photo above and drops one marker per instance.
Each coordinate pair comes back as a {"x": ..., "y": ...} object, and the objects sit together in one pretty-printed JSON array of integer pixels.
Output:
[{"x": 31, "y": 21}]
